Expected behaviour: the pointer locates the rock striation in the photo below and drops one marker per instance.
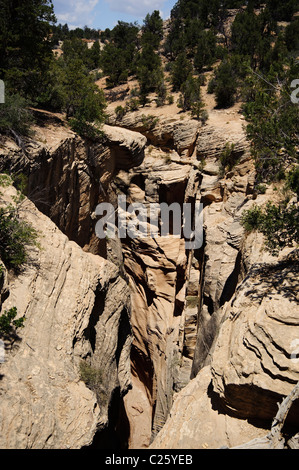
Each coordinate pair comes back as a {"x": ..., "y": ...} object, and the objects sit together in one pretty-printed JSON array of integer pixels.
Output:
[
  {"x": 195, "y": 346},
  {"x": 77, "y": 309}
]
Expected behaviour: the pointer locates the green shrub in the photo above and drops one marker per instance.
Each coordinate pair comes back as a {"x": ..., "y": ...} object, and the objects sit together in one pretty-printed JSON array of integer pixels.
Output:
[
  {"x": 251, "y": 219},
  {"x": 93, "y": 379},
  {"x": 150, "y": 121},
  {"x": 278, "y": 223},
  {"x": 293, "y": 180},
  {"x": 15, "y": 237},
  {"x": 15, "y": 116},
  {"x": 120, "y": 111},
  {"x": 170, "y": 99},
  {"x": 228, "y": 157},
  {"x": 133, "y": 104},
  {"x": 8, "y": 323}
]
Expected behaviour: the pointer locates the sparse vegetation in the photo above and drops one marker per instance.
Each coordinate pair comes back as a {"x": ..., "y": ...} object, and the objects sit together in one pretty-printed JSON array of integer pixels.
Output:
[
  {"x": 228, "y": 157},
  {"x": 9, "y": 323},
  {"x": 149, "y": 121},
  {"x": 279, "y": 223},
  {"x": 93, "y": 379},
  {"x": 16, "y": 236},
  {"x": 192, "y": 301}
]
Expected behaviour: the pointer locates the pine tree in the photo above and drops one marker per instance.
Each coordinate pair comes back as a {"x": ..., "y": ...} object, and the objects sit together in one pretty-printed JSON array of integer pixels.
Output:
[
  {"x": 25, "y": 46},
  {"x": 180, "y": 71}
]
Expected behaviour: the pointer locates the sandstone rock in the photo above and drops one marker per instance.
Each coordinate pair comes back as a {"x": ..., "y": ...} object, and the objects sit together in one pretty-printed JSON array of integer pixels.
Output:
[
  {"x": 197, "y": 422},
  {"x": 76, "y": 307},
  {"x": 252, "y": 362},
  {"x": 68, "y": 176},
  {"x": 164, "y": 131},
  {"x": 127, "y": 145},
  {"x": 212, "y": 141}
]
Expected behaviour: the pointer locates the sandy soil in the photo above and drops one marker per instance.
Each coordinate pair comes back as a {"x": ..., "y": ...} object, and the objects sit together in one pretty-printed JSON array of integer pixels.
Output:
[{"x": 230, "y": 118}]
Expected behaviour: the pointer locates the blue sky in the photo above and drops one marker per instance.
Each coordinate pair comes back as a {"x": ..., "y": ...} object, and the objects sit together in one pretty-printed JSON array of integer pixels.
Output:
[{"x": 102, "y": 14}]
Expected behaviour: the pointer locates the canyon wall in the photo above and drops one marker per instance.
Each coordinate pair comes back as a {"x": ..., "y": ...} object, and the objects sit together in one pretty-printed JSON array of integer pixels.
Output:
[{"x": 194, "y": 345}]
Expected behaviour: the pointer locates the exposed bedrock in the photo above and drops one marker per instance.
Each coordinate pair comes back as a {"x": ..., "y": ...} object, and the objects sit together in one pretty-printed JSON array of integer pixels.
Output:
[
  {"x": 75, "y": 305},
  {"x": 195, "y": 346}
]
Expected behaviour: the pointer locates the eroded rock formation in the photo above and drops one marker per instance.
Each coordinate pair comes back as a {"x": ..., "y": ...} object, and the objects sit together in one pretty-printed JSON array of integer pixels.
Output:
[
  {"x": 74, "y": 303},
  {"x": 195, "y": 346}
]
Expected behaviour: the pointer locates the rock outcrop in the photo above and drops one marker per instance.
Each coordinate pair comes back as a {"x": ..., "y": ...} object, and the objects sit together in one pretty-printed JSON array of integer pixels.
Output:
[
  {"x": 69, "y": 176},
  {"x": 77, "y": 309},
  {"x": 195, "y": 422},
  {"x": 235, "y": 399},
  {"x": 252, "y": 361},
  {"x": 212, "y": 328},
  {"x": 166, "y": 132}
]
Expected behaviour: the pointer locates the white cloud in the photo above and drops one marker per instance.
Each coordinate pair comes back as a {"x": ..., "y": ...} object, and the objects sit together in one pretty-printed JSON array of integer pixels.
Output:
[
  {"x": 138, "y": 8},
  {"x": 75, "y": 12}
]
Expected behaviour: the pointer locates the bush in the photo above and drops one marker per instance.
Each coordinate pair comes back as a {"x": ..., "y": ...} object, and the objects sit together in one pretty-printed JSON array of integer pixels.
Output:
[
  {"x": 133, "y": 104},
  {"x": 15, "y": 116},
  {"x": 293, "y": 180},
  {"x": 278, "y": 223},
  {"x": 228, "y": 157},
  {"x": 93, "y": 379},
  {"x": 149, "y": 121},
  {"x": 272, "y": 123},
  {"x": 8, "y": 323},
  {"x": 15, "y": 236},
  {"x": 120, "y": 112}
]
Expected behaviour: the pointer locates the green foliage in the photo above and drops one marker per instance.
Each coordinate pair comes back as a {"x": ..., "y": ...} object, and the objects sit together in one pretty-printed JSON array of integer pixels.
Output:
[
  {"x": 149, "y": 121},
  {"x": 252, "y": 36},
  {"x": 114, "y": 65},
  {"x": 15, "y": 116},
  {"x": 8, "y": 323},
  {"x": 152, "y": 30},
  {"x": 83, "y": 101},
  {"x": 190, "y": 97},
  {"x": 149, "y": 65},
  {"x": 278, "y": 223},
  {"x": 252, "y": 218},
  {"x": 25, "y": 48},
  {"x": 15, "y": 238},
  {"x": 228, "y": 157},
  {"x": 95, "y": 55},
  {"x": 120, "y": 112},
  {"x": 272, "y": 122},
  {"x": 292, "y": 180},
  {"x": 93, "y": 379},
  {"x": 206, "y": 51},
  {"x": 292, "y": 35},
  {"x": 118, "y": 58},
  {"x": 282, "y": 11},
  {"x": 62, "y": 33},
  {"x": 180, "y": 71},
  {"x": 132, "y": 104},
  {"x": 149, "y": 72},
  {"x": 224, "y": 85}
]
